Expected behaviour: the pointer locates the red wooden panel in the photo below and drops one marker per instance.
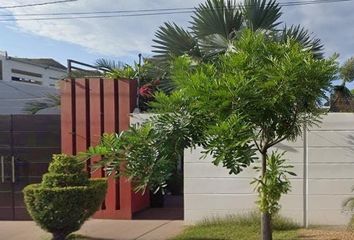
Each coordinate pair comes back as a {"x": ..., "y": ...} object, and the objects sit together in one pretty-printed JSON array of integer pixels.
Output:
[
  {"x": 124, "y": 103},
  {"x": 81, "y": 120},
  {"x": 95, "y": 119},
  {"x": 89, "y": 108},
  {"x": 112, "y": 198},
  {"x": 124, "y": 111},
  {"x": 133, "y": 91},
  {"x": 66, "y": 117},
  {"x": 140, "y": 201}
]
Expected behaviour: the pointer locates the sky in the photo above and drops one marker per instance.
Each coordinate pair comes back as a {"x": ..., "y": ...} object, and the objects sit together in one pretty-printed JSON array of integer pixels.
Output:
[{"x": 123, "y": 38}]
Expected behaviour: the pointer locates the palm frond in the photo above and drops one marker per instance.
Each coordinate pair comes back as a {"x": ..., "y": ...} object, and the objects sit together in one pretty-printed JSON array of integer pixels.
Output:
[
  {"x": 261, "y": 14},
  {"x": 172, "y": 40},
  {"x": 216, "y": 17},
  {"x": 109, "y": 65},
  {"x": 347, "y": 70},
  {"x": 214, "y": 45},
  {"x": 51, "y": 100},
  {"x": 303, "y": 36}
]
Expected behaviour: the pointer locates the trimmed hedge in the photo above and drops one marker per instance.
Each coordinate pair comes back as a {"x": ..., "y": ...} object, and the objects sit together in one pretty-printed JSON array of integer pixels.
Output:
[{"x": 65, "y": 199}]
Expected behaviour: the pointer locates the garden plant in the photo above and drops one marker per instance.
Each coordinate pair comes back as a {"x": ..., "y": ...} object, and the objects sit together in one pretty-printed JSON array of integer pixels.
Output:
[
  {"x": 348, "y": 206},
  {"x": 244, "y": 102},
  {"x": 65, "y": 198}
]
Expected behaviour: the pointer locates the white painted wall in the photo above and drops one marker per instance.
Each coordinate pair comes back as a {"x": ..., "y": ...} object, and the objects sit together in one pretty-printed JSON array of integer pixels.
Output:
[
  {"x": 47, "y": 72},
  {"x": 210, "y": 191}
]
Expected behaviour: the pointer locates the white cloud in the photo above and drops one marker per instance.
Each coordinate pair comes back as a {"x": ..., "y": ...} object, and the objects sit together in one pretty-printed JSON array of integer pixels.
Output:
[
  {"x": 112, "y": 36},
  {"x": 125, "y": 36},
  {"x": 331, "y": 22}
]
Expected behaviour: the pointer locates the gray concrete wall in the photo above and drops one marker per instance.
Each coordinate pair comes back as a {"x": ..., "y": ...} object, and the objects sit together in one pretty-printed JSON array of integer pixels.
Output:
[
  {"x": 316, "y": 199},
  {"x": 327, "y": 159}
]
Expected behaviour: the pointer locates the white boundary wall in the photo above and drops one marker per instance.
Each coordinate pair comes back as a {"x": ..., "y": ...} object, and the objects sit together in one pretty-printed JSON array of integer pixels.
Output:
[
  {"x": 326, "y": 157},
  {"x": 328, "y": 160}
]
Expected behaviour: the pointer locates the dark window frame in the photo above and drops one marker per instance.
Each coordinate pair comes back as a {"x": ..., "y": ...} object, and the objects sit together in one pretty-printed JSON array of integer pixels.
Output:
[{"x": 26, "y": 73}]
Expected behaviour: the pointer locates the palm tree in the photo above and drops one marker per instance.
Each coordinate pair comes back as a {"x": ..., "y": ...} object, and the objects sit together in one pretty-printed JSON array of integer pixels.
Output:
[
  {"x": 341, "y": 96},
  {"x": 216, "y": 24},
  {"x": 50, "y": 101}
]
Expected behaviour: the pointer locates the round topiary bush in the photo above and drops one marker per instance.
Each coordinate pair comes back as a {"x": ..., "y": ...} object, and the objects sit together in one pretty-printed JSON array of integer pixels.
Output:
[{"x": 65, "y": 198}]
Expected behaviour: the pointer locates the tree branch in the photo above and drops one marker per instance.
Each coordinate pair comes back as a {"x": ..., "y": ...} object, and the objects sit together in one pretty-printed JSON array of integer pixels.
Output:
[{"x": 256, "y": 143}]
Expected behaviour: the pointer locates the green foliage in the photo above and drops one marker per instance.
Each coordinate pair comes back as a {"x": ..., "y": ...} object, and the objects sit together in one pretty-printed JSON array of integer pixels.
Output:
[
  {"x": 274, "y": 87},
  {"x": 65, "y": 164},
  {"x": 261, "y": 14},
  {"x": 221, "y": 144},
  {"x": 273, "y": 184},
  {"x": 247, "y": 100},
  {"x": 127, "y": 72},
  {"x": 243, "y": 102},
  {"x": 216, "y": 24},
  {"x": 341, "y": 96},
  {"x": 65, "y": 199},
  {"x": 301, "y": 35},
  {"x": 148, "y": 162},
  {"x": 348, "y": 206},
  {"x": 64, "y": 180},
  {"x": 240, "y": 227},
  {"x": 250, "y": 99},
  {"x": 347, "y": 70},
  {"x": 33, "y": 107},
  {"x": 116, "y": 70}
]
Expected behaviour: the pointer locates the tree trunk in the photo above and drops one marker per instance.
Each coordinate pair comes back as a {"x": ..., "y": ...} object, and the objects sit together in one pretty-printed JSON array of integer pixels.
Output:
[
  {"x": 266, "y": 226},
  {"x": 59, "y": 236},
  {"x": 266, "y": 221}
]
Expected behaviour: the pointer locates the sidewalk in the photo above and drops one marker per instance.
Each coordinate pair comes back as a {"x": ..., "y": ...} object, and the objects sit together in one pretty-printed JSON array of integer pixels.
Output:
[{"x": 96, "y": 229}]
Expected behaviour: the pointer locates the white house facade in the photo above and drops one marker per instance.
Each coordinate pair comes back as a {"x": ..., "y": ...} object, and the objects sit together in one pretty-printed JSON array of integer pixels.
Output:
[{"x": 38, "y": 71}]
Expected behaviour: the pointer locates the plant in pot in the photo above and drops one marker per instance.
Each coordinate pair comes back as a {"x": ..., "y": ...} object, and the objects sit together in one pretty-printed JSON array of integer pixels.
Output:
[{"x": 65, "y": 198}]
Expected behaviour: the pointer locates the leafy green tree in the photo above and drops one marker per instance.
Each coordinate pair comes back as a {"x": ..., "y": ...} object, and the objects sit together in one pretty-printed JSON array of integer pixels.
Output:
[
  {"x": 241, "y": 103},
  {"x": 248, "y": 101},
  {"x": 216, "y": 24}
]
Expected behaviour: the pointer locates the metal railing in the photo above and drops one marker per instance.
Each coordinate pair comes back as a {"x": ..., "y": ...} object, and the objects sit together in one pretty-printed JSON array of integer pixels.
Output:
[{"x": 72, "y": 65}]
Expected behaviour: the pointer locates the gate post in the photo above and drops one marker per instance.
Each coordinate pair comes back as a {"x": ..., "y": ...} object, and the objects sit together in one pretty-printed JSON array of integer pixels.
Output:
[{"x": 90, "y": 107}]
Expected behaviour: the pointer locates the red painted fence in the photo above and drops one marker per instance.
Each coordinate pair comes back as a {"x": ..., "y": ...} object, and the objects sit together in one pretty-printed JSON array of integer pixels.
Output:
[{"x": 90, "y": 107}]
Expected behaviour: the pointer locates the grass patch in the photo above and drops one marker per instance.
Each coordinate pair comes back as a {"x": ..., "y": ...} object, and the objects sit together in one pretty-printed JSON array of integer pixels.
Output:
[{"x": 242, "y": 227}]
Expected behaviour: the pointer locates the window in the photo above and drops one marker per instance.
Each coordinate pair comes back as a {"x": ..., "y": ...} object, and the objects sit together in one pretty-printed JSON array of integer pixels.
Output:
[
  {"x": 26, "y": 80},
  {"x": 31, "y": 74}
]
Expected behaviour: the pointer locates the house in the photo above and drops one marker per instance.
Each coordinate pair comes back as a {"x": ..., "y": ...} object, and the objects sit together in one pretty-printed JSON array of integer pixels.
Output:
[
  {"x": 23, "y": 80},
  {"x": 38, "y": 71},
  {"x": 14, "y": 95}
]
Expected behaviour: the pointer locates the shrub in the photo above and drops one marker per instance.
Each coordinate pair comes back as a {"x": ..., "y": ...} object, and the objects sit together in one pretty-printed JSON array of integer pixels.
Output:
[
  {"x": 65, "y": 198},
  {"x": 348, "y": 206}
]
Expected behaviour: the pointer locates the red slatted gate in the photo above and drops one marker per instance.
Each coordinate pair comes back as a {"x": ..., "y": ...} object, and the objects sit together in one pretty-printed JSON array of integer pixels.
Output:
[{"x": 90, "y": 107}]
